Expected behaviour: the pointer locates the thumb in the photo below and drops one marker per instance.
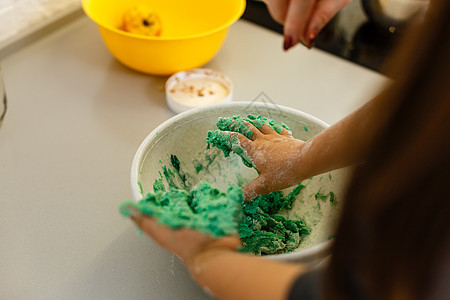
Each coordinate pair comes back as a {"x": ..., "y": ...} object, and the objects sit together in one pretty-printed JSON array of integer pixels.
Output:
[{"x": 322, "y": 13}]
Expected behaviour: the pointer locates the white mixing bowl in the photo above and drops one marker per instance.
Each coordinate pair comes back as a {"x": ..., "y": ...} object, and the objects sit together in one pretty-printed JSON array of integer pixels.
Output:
[{"x": 184, "y": 135}]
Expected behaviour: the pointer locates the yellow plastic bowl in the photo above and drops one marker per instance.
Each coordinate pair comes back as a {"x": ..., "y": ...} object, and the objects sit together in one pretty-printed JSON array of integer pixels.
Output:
[{"x": 192, "y": 32}]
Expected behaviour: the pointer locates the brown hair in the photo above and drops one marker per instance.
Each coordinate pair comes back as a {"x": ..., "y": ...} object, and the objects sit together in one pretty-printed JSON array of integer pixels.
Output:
[{"x": 393, "y": 237}]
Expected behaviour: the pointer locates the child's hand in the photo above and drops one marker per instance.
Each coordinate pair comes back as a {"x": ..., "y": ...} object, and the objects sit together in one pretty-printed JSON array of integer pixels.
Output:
[
  {"x": 185, "y": 243},
  {"x": 219, "y": 268},
  {"x": 277, "y": 157}
]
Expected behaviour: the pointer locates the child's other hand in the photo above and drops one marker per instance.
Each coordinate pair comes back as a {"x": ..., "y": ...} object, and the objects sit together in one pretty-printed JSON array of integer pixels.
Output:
[
  {"x": 277, "y": 157},
  {"x": 185, "y": 243}
]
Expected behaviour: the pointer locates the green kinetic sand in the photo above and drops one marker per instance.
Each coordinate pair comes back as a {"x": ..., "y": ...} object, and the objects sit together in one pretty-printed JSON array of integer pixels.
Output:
[
  {"x": 237, "y": 124},
  {"x": 331, "y": 196},
  {"x": 205, "y": 208},
  {"x": 228, "y": 143},
  {"x": 262, "y": 229}
]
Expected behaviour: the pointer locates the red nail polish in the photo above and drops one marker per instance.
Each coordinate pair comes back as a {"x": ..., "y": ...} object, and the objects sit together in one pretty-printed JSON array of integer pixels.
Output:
[{"x": 287, "y": 42}]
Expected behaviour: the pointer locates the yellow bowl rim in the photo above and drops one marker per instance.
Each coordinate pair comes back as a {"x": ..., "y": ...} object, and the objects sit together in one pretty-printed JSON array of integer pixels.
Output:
[{"x": 134, "y": 35}]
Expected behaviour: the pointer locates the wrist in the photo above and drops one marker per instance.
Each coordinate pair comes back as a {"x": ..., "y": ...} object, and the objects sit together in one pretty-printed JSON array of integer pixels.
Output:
[
  {"x": 303, "y": 163},
  {"x": 201, "y": 258}
]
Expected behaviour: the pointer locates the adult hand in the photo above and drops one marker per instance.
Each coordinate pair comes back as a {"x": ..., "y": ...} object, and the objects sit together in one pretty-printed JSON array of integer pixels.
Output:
[
  {"x": 277, "y": 157},
  {"x": 303, "y": 19},
  {"x": 185, "y": 243}
]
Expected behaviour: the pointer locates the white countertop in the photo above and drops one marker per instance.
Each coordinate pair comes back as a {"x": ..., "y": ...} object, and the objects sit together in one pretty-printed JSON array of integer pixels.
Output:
[{"x": 76, "y": 117}]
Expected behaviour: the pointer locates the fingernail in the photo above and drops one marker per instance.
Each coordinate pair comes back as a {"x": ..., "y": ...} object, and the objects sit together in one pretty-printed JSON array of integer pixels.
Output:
[
  {"x": 137, "y": 218},
  {"x": 287, "y": 42},
  {"x": 134, "y": 213},
  {"x": 312, "y": 40},
  {"x": 304, "y": 43}
]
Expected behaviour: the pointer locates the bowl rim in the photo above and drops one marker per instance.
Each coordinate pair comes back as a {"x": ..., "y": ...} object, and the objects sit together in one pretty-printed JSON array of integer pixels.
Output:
[{"x": 227, "y": 24}]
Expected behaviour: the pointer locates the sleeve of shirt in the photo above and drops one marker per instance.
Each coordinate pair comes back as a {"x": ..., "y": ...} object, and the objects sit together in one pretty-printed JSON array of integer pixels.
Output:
[{"x": 308, "y": 286}]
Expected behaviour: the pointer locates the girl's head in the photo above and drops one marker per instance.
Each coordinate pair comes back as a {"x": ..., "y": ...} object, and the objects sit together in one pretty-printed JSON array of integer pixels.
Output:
[{"x": 394, "y": 231}]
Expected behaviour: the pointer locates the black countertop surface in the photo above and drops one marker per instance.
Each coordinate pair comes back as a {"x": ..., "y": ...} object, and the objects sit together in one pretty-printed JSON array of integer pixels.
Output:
[{"x": 350, "y": 34}]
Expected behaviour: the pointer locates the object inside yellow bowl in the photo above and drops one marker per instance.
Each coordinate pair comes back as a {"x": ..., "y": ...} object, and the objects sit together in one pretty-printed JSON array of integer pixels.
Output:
[{"x": 140, "y": 20}]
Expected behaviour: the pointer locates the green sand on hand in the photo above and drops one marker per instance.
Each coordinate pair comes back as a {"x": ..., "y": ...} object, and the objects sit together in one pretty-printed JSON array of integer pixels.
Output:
[
  {"x": 230, "y": 143},
  {"x": 205, "y": 208},
  {"x": 237, "y": 124}
]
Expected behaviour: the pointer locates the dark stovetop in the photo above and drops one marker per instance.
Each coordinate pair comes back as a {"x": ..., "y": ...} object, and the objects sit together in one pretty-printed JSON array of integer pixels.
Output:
[{"x": 349, "y": 35}]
